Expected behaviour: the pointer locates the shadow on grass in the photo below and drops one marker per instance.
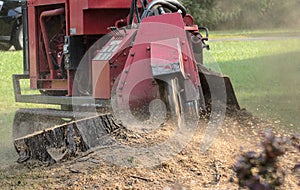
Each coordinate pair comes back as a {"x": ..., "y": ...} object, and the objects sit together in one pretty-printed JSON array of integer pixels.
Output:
[{"x": 268, "y": 86}]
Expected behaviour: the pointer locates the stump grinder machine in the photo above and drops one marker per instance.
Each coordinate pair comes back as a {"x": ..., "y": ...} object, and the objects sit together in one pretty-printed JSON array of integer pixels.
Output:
[{"x": 98, "y": 60}]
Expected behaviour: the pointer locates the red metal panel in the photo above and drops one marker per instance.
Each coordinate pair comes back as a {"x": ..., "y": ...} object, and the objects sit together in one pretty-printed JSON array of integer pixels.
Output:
[
  {"x": 157, "y": 31},
  {"x": 94, "y": 16},
  {"x": 174, "y": 19},
  {"x": 67, "y": 13},
  {"x": 136, "y": 87},
  {"x": 108, "y": 4},
  {"x": 166, "y": 57},
  {"x": 164, "y": 27},
  {"x": 109, "y": 62},
  {"x": 161, "y": 27},
  {"x": 32, "y": 37},
  {"x": 97, "y": 21},
  {"x": 101, "y": 79},
  {"x": 44, "y": 2},
  {"x": 76, "y": 15}
]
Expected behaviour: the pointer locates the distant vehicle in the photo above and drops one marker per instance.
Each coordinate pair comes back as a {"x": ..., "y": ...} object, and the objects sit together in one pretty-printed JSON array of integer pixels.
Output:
[{"x": 11, "y": 26}]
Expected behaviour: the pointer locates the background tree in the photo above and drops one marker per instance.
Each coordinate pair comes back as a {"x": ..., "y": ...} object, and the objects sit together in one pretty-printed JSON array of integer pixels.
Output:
[
  {"x": 245, "y": 14},
  {"x": 203, "y": 11}
]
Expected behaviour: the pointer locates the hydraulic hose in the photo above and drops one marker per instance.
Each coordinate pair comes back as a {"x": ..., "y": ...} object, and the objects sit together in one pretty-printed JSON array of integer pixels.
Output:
[
  {"x": 158, "y": 2},
  {"x": 131, "y": 13},
  {"x": 179, "y": 6},
  {"x": 43, "y": 15},
  {"x": 172, "y": 5}
]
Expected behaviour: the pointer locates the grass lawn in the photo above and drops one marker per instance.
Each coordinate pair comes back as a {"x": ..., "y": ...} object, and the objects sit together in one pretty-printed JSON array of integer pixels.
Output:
[
  {"x": 255, "y": 33},
  {"x": 10, "y": 62},
  {"x": 265, "y": 75}
]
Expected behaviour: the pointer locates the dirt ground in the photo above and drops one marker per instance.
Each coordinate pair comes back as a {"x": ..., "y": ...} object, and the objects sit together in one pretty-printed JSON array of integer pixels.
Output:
[{"x": 189, "y": 169}]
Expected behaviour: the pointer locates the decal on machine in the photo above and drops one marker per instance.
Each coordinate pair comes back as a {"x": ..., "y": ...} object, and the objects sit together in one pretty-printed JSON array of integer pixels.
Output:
[{"x": 107, "y": 51}]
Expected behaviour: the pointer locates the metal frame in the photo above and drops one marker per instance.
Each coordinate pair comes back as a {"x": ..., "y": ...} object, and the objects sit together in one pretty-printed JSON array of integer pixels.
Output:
[
  {"x": 54, "y": 100},
  {"x": 25, "y": 38}
]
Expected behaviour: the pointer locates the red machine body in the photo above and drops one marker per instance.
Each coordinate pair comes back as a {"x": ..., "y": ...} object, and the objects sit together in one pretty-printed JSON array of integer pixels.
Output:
[
  {"x": 50, "y": 22},
  {"x": 127, "y": 49},
  {"x": 161, "y": 52},
  {"x": 60, "y": 32}
]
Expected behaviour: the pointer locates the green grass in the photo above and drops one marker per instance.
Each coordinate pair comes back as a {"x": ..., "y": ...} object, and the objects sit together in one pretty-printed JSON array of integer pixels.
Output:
[
  {"x": 265, "y": 75},
  {"x": 255, "y": 33},
  {"x": 10, "y": 62}
]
